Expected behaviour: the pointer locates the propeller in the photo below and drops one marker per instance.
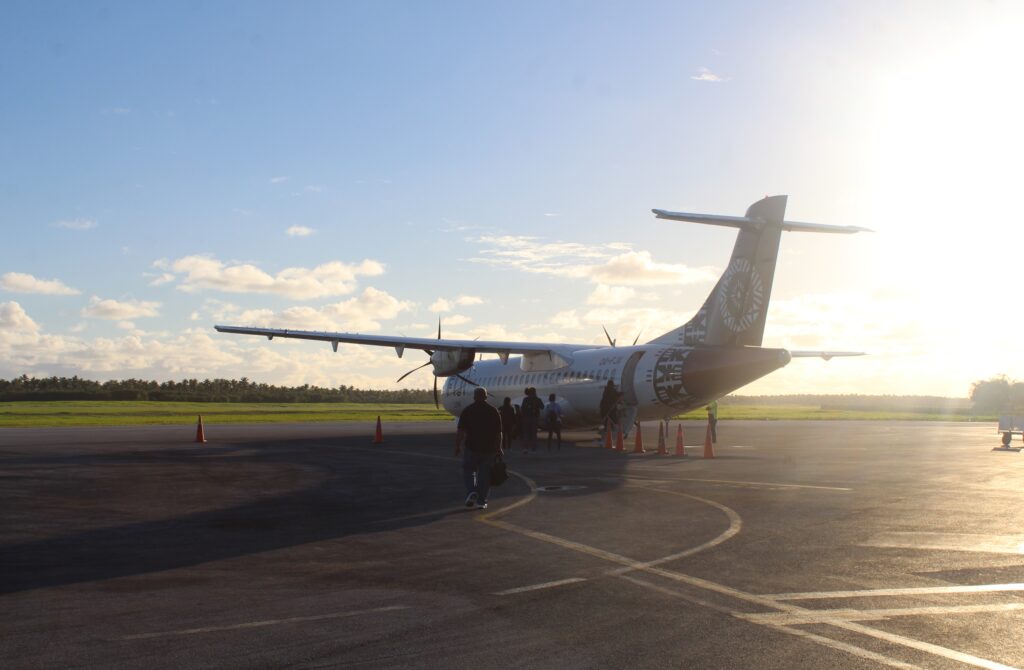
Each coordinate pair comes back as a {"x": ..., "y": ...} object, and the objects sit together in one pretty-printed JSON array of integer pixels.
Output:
[
  {"x": 428, "y": 352},
  {"x": 468, "y": 381},
  {"x": 437, "y": 402},
  {"x": 612, "y": 342}
]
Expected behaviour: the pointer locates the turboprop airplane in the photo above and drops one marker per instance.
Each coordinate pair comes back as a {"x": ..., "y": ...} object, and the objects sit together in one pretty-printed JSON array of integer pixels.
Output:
[{"x": 714, "y": 353}]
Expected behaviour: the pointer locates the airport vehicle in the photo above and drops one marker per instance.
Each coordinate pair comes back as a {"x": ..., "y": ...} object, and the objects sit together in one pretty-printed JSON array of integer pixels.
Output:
[
  {"x": 716, "y": 352},
  {"x": 1010, "y": 426}
]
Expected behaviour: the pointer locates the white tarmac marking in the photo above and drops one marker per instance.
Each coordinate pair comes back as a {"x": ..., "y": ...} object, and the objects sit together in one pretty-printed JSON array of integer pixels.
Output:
[
  {"x": 538, "y": 587},
  {"x": 735, "y": 524},
  {"x": 991, "y": 544},
  {"x": 268, "y": 622},
  {"x": 764, "y": 601},
  {"x": 846, "y": 614},
  {"x": 818, "y": 639},
  {"x": 770, "y": 484},
  {"x": 923, "y": 590},
  {"x": 935, "y": 649}
]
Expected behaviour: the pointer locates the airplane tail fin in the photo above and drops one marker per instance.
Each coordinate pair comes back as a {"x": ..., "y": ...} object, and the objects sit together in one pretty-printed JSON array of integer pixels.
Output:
[{"x": 734, "y": 313}]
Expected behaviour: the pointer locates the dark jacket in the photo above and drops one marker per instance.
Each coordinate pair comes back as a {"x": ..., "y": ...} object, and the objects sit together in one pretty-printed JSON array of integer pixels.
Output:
[
  {"x": 508, "y": 417},
  {"x": 482, "y": 425},
  {"x": 532, "y": 407}
]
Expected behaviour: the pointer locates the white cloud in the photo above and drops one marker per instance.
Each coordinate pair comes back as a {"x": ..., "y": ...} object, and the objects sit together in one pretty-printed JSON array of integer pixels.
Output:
[
  {"x": 313, "y": 188},
  {"x": 609, "y": 263},
  {"x": 278, "y": 180},
  {"x": 445, "y": 305},
  {"x": 334, "y": 278},
  {"x": 19, "y": 282},
  {"x": 14, "y": 318},
  {"x": 440, "y": 305},
  {"x": 164, "y": 278},
  {"x": 361, "y": 313},
  {"x": 76, "y": 224},
  {"x": 638, "y": 268},
  {"x": 604, "y": 294},
  {"x": 118, "y": 310},
  {"x": 456, "y": 320},
  {"x": 704, "y": 74},
  {"x": 299, "y": 231}
]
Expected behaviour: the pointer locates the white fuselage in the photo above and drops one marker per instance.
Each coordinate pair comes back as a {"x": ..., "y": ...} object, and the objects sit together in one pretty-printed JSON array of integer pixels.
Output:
[
  {"x": 656, "y": 381},
  {"x": 578, "y": 387}
]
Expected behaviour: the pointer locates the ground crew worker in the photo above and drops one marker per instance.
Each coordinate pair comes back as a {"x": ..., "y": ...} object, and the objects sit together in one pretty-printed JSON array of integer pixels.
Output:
[{"x": 713, "y": 420}]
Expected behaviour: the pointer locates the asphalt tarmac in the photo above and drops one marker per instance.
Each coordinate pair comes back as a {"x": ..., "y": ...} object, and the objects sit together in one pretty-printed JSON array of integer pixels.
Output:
[{"x": 801, "y": 545}]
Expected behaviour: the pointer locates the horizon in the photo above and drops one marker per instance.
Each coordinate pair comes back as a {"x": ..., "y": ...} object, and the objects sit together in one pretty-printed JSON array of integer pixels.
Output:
[{"x": 373, "y": 169}]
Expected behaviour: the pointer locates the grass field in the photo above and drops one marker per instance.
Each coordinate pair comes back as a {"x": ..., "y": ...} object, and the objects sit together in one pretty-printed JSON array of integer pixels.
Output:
[{"x": 115, "y": 413}]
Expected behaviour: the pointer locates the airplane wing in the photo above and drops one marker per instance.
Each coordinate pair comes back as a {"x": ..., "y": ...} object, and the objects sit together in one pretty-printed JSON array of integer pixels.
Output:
[
  {"x": 503, "y": 349},
  {"x": 827, "y": 355}
]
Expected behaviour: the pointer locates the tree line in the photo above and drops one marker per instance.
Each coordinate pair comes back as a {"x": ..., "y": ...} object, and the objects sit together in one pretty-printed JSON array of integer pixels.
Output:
[
  {"x": 999, "y": 395},
  {"x": 193, "y": 390}
]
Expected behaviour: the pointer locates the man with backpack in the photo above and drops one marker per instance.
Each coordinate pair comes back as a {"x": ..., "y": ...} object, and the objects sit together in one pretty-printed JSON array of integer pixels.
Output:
[{"x": 553, "y": 420}]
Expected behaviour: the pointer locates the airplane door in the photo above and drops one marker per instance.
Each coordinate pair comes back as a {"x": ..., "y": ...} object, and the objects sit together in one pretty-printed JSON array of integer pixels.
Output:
[{"x": 628, "y": 376}]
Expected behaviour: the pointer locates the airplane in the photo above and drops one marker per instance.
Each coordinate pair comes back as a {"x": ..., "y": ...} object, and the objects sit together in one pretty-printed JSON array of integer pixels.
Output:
[{"x": 714, "y": 353}]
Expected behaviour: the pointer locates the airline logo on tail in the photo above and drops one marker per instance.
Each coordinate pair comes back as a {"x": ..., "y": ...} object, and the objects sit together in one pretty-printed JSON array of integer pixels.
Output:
[{"x": 742, "y": 295}]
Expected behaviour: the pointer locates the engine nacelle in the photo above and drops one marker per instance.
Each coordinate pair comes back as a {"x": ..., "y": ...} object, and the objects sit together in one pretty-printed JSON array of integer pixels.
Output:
[{"x": 447, "y": 363}]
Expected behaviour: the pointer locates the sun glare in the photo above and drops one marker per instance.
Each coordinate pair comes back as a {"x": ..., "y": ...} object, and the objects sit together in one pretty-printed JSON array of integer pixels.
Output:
[{"x": 946, "y": 168}]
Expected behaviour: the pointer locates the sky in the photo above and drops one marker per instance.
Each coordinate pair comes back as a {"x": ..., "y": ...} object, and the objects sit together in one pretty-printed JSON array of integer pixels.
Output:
[{"x": 373, "y": 167}]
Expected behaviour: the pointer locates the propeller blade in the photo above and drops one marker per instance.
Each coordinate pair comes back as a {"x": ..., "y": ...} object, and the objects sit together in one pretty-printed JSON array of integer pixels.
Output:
[
  {"x": 412, "y": 371},
  {"x": 468, "y": 381},
  {"x": 637, "y": 338},
  {"x": 610, "y": 340},
  {"x": 437, "y": 405},
  {"x": 439, "y": 328}
]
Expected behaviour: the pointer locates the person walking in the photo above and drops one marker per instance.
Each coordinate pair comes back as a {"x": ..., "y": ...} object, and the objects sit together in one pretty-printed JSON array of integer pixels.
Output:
[
  {"x": 530, "y": 418},
  {"x": 480, "y": 430},
  {"x": 508, "y": 422},
  {"x": 553, "y": 420},
  {"x": 713, "y": 419}
]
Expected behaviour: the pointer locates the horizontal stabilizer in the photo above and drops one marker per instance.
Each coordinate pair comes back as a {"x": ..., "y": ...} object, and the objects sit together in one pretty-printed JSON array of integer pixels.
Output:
[
  {"x": 827, "y": 355},
  {"x": 748, "y": 223}
]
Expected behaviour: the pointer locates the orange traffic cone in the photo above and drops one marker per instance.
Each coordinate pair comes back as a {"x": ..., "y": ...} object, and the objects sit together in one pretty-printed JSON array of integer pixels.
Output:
[
  {"x": 662, "y": 449},
  {"x": 709, "y": 451},
  {"x": 638, "y": 447},
  {"x": 608, "y": 434},
  {"x": 680, "y": 447},
  {"x": 618, "y": 439},
  {"x": 200, "y": 436},
  {"x": 379, "y": 437}
]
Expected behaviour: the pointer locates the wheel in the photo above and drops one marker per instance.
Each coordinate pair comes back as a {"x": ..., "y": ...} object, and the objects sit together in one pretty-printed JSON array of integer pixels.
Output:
[{"x": 1007, "y": 436}]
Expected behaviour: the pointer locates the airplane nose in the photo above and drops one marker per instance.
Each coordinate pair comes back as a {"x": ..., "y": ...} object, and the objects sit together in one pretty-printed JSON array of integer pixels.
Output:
[{"x": 713, "y": 372}]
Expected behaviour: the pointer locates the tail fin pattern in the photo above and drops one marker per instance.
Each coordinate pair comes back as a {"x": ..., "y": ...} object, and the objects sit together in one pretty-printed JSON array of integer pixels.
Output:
[{"x": 734, "y": 313}]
